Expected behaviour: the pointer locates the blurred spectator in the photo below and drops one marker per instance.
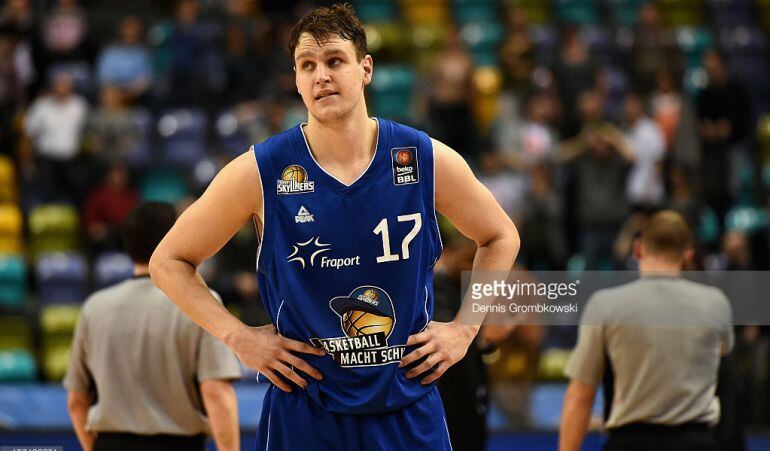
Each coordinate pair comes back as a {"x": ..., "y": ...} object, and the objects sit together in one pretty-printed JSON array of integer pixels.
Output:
[
  {"x": 735, "y": 254},
  {"x": 16, "y": 15},
  {"x": 111, "y": 133},
  {"x": 543, "y": 223},
  {"x": 682, "y": 194},
  {"x": 531, "y": 140},
  {"x": 65, "y": 43},
  {"x": 242, "y": 66},
  {"x": 450, "y": 117},
  {"x": 723, "y": 114},
  {"x": 575, "y": 73},
  {"x": 126, "y": 64},
  {"x": 654, "y": 47},
  {"x": 600, "y": 159},
  {"x": 666, "y": 106},
  {"x": 12, "y": 91},
  {"x": 645, "y": 188},
  {"x": 106, "y": 207},
  {"x": 54, "y": 124},
  {"x": 517, "y": 53},
  {"x": 507, "y": 187}
]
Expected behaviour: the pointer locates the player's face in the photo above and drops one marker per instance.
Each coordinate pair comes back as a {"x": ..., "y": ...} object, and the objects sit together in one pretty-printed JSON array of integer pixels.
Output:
[{"x": 330, "y": 78}]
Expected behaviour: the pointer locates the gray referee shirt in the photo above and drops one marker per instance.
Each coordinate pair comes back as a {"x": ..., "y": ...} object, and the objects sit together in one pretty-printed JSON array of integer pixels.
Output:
[
  {"x": 143, "y": 359},
  {"x": 664, "y": 337}
]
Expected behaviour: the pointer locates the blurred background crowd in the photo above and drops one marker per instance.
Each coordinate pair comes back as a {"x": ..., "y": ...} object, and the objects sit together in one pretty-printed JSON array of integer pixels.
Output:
[{"x": 581, "y": 117}]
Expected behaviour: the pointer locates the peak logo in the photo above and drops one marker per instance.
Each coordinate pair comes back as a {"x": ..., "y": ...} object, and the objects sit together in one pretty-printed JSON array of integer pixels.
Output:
[
  {"x": 294, "y": 180},
  {"x": 303, "y": 215}
]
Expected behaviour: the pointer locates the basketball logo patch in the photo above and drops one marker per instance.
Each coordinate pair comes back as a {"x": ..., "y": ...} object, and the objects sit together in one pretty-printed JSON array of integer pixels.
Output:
[
  {"x": 294, "y": 180},
  {"x": 367, "y": 319},
  {"x": 405, "y": 169}
]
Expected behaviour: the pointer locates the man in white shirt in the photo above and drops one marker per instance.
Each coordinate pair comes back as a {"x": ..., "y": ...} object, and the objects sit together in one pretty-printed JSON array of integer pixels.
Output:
[{"x": 645, "y": 181}]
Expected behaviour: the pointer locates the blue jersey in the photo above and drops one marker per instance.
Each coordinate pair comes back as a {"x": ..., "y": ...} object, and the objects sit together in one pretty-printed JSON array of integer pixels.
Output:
[{"x": 350, "y": 267}]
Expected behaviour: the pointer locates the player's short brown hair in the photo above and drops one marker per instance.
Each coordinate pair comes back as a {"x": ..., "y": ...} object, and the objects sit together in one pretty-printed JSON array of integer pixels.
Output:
[
  {"x": 337, "y": 20},
  {"x": 667, "y": 233}
]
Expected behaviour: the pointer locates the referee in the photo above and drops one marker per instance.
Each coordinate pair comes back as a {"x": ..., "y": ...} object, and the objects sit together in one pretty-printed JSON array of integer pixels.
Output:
[
  {"x": 663, "y": 392},
  {"x": 142, "y": 375}
]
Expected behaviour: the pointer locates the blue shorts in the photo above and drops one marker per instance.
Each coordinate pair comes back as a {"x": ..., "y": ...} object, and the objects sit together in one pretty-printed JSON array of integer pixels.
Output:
[{"x": 293, "y": 422}]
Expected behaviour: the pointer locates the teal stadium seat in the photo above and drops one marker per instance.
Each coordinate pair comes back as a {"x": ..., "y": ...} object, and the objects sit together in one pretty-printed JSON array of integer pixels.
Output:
[
  {"x": 391, "y": 91},
  {"x": 13, "y": 281},
  {"x": 465, "y": 11},
  {"x": 163, "y": 185},
  {"x": 581, "y": 12},
  {"x": 483, "y": 40},
  {"x": 624, "y": 13},
  {"x": 708, "y": 227},
  {"x": 53, "y": 228},
  {"x": 370, "y": 11},
  {"x": 746, "y": 219},
  {"x": 17, "y": 365},
  {"x": 11, "y": 222},
  {"x": 692, "y": 42}
]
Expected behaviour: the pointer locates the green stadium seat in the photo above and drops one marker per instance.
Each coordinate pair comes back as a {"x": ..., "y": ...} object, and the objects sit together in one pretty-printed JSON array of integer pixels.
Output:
[
  {"x": 13, "y": 281},
  {"x": 681, "y": 12},
  {"x": 59, "y": 319},
  {"x": 17, "y": 365},
  {"x": 8, "y": 181},
  {"x": 577, "y": 11},
  {"x": 163, "y": 185},
  {"x": 465, "y": 11},
  {"x": 11, "y": 222},
  {"x": 15, "y": 333},
  {"x": 391, "y": 91},
  {"x": 375, "y": 10},
  {"x": 53, "y": 228},
  {"x": 388, "y": 41},
  {"x": 552, "y": 364},
  {"x": 56, "y": 354}
]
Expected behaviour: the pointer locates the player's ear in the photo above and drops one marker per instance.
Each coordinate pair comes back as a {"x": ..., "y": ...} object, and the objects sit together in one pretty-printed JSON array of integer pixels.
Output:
[
  {"x": 367, "y": 65},
  {"x": 637, "y": 246}
]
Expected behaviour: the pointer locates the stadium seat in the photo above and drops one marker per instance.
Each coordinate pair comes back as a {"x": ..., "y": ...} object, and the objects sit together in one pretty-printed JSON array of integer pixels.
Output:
[
  {"x": 391, "y": 91},
  {"x": 370, "y": 11},
  {"x": 487, "y": 83},
  {"x": 8, "y": 181},
  {"x": 11, "y": 222},
  {"x": 694, "y": 80},
  {"x": 61, "y": 277},
  {"x": 681, "y": 12},
  {"x": 763, "y": 7},
  {"x": 183, "y": 137},
  {"x": 13, "y": 281},
  {"x": 465, "y": 11},
  {"x": 111, "y": 268},
  {"x": 552, "y": 363},
  {"x": 708, "y": 227},
  {"x": 231, "y": 138},
  {"x": 59, "y": 319},
  {"x": 17, "y": 365},
  {"x": 624, "y": 12},
  {"x": 141, "y": 154},
  {"x": 53, "y": 228},
  {"x": 731, "y": 13},
  {"x": 747, "y": 50},
  {"x": 56, "y": 354},
  {"x": 599, "y": 42},
  {"x": 163, "y": 185},
  {"x": 536, "y": 11},
  {"x": 692, "y": 42},
  {"x": 746, "y": 219},
  {"x": 483, "y": 39},
  {"x": 15, "y": 333},
  {"x": 388, "y": 41},
  {"x": 425, "y": 11},
  {"x": 577, "y": 11}
]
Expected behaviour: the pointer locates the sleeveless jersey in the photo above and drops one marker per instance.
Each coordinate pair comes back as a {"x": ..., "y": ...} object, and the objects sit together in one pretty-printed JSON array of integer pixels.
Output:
[{"x": 350, "y": 267}]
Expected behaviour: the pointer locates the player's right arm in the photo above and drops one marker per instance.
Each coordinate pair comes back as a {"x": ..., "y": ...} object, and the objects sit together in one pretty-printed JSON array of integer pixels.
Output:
[{"x": 233, "y": 197}]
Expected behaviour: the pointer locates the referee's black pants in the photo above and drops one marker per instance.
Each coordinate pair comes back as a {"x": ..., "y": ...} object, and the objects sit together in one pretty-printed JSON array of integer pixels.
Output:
[
  {"x": 113, "y": 441},
  {"x": 653, "y": 437}
]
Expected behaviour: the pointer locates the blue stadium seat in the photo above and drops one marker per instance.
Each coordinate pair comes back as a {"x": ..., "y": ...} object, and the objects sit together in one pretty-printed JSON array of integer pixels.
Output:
[
  {"x": 11, "y": 222},
  {"x": 183, "y": 137},
  {"x": 746, "y": 48},
  {"x": 13, "y": 281},
  {"x": 692, "y": 42},
  {"x": 231, "y": 138},
  {"x": 111, "y": 268},
  {"x": 53, "y": 228},
  {"x": 163, "y": 185},
  {"x": 141, "y": 154},
  {"x": 391, "y": 91},
  {"x": 599, "y": 42},
  {"x": 17, "y": 365},
  {"x": 731, "y": 13},
  {"x": 577, "y": 11},
  {"x": 61, "y": 277},
  {"x": 746, "y": 219},
  {"x": 546, "y": 41}
]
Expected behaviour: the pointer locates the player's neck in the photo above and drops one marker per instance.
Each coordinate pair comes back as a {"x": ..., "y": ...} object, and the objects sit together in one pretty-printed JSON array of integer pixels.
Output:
[{"x": 343, "y": 140}]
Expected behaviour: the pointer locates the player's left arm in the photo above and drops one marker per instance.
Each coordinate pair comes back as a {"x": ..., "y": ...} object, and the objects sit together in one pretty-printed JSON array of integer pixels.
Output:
[{"x": 472, "y": 209}]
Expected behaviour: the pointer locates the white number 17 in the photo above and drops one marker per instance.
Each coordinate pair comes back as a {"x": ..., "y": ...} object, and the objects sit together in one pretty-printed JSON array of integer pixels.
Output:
[{"x": 382, "y": 228}]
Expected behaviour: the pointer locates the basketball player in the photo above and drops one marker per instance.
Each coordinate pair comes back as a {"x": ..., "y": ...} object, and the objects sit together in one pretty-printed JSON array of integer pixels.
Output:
[{"x": 345, "y": 209}]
